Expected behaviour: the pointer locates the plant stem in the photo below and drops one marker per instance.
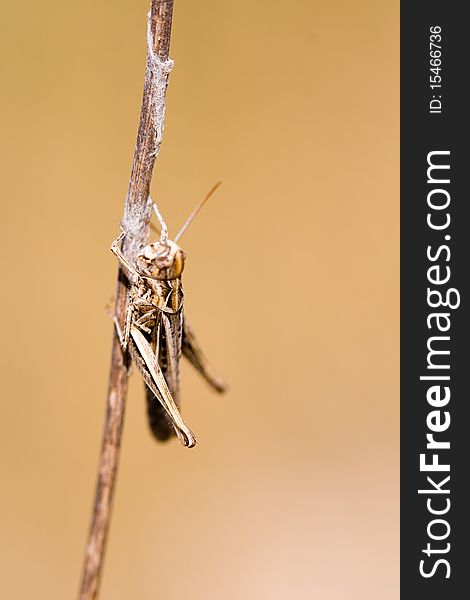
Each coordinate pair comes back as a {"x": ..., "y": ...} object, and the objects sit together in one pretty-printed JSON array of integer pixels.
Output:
[{"x": 136, "y": 221}]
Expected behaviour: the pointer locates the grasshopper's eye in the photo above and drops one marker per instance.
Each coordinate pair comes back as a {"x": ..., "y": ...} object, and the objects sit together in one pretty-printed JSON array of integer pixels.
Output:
[{"x": 178, "y": 263}]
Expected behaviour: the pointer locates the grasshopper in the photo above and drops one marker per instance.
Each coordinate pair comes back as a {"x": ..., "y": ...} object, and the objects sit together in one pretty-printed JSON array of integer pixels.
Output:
[{"x": 156, "y": 331}]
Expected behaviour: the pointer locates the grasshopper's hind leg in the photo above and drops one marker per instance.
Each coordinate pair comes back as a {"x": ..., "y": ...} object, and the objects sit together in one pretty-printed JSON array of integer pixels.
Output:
[
  {"x": 154, "y": 378},
  {"x": 192, "y": 351}
]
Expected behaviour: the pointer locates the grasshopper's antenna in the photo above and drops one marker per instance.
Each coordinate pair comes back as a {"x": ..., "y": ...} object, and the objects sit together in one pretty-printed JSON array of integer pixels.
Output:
[
  {"x": 196, "y": 210},
  {"x": 164, "y": 231}
]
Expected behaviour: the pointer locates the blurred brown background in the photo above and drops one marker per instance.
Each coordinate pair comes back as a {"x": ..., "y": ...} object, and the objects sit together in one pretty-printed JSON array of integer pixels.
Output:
[{"x": 291, "y": 285}]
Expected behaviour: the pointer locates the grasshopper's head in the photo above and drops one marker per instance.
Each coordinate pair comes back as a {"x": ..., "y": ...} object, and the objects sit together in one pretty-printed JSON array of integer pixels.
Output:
[
  {"x": 164, "y": 259},
  {"x": 161, "y": 260}
]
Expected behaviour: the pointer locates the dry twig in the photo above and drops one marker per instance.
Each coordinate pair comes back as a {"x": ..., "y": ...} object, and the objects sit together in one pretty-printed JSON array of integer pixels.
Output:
[{"x": 136, "y": 223}]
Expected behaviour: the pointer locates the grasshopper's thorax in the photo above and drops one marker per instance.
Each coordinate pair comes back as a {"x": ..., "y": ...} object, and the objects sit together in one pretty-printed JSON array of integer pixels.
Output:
[{"x": 167, "y": 294}]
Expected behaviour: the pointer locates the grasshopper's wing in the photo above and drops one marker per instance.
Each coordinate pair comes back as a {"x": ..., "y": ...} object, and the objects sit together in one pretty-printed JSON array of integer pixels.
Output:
[
  {"x": 193, "y": 352},
  {"x": 152, "y": 374},
  {"x": 172, "y": 325}
]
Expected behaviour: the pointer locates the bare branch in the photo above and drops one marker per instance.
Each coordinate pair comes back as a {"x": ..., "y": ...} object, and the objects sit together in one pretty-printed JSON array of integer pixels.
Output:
[{"x": 136, "y": 221}]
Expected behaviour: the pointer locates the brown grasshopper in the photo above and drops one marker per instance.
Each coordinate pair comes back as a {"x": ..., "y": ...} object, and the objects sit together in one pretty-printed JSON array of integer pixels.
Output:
[{"x": 156, "y": 331}]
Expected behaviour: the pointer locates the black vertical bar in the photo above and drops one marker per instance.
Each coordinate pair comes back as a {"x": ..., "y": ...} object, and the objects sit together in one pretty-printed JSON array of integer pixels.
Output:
[{"x": 423, "y": 132}]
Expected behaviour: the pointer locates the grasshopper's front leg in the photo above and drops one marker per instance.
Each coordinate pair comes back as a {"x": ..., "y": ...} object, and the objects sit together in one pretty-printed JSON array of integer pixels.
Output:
[
  {"x": 116, "y": 250},
  {"x": 134, "y": 277},
  {"x": 192, "y": 351},
  {"x": 154, "y": 378}
]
